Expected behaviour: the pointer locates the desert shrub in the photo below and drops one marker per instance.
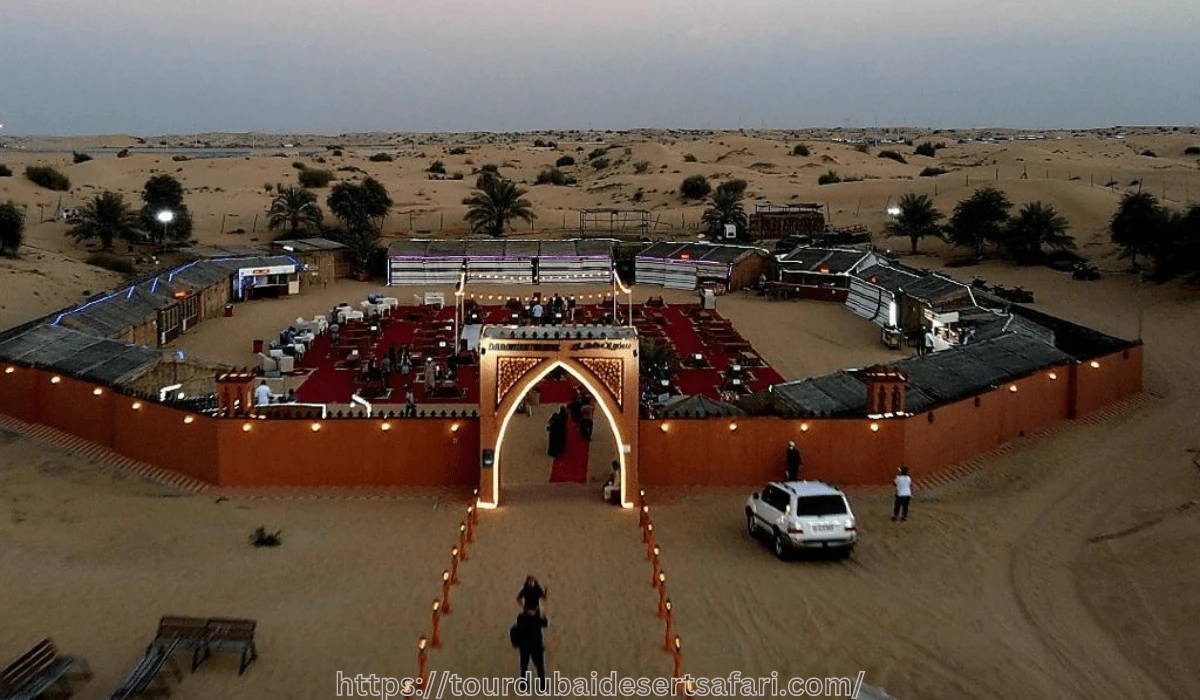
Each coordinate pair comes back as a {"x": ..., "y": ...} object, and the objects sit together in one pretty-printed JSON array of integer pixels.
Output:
[
  {"x": 689, "y": 158},
  {"x": 298, "y": 165},
  {"x": 597, "y": 152},
  {"x": 490, "y": 168},
  {"x": 829, "y": 178},
  {"x": 862, "y": 148},
  {"x": 458, "y": 175},
  {"x": 436, "y": 166},
  {"x": 1149, "y": 153},
  {"x": 337, "y": 152},
  {"x": 457, "y": 150},
  {"x": 315, "y": 177},
  {"x": 926, "y": 149},
  {"x": 78, "y": 157},
  {"x": 801, "y": 150},
  {"x": 261, "y": 538},
  {"x": 349, "y": 169},
  {"x": 123, "y": 153},
  {"x": 638, "y": 195},
  {"x": 382, "y": 158},
  {"x": 933, "y": 172},
  {"x": 893, "y": 155},
  {"x": 600, "y": 163},
  {"x": 641, "y": 166},
  {"x": 268, "y": 187},
  {"x": 180, "y": 159},
  {"x": 1192, "y": 151},
  {"x": 694, "y": 187},
  {"x": 48, "y": 177},
  {"x": 853, "y": 178},
  {"x": 552, "y": 176},
  {"x": 5, "y": 171},
  {"x": 564, "y": 162},
  {"x": 111, "y": 261}
]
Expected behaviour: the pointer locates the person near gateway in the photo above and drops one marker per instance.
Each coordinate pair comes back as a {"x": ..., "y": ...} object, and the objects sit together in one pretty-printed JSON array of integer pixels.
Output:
[{"x": 794, "y": 460}]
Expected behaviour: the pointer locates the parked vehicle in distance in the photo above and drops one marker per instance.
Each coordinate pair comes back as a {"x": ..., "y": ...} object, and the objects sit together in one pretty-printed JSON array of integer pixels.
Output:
[{"x": 799, "y": 515}]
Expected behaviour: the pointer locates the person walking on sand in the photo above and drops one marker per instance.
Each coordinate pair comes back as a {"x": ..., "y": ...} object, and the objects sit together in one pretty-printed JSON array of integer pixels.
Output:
[
  {"x": 794, "y": 460},
  {"x": 903, "y": 495},
  {"x": 532, "y": 594},
  {"x": 526, "y": 636}
]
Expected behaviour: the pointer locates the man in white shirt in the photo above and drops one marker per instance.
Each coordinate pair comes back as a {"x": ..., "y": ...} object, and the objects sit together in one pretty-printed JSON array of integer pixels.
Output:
[
  {"x": 537, "y": 312},
  {"x": 262, "y": 394},
  {"x": 903, "y": 494},
  {"x": 927, "y": 341}
]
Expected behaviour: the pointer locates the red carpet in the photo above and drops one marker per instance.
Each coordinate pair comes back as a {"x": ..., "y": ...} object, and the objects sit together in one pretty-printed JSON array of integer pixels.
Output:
[
  {"x": 572, "y": 465},
  {"x": 677, "y": 325}
]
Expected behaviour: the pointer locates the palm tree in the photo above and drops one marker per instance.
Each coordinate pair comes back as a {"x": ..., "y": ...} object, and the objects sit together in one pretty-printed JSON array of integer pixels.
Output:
[
  {"x": 1137, "y": 225},
  {"x": 917, "y": 219},
  {"x": 979, "y": 219},
  {"x": 107, "y": 217},
  {"x": 295, "y": 208},
  {"x": 496, "y": 203},
  {"x": 727, "y": 209},
  {"x": 1036, "y": 225}
]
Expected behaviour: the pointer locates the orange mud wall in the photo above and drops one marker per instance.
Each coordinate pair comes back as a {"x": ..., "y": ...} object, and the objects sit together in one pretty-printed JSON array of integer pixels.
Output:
[
  {"x": 343, "y": 452},
  {"x": 428, "y": 452},
  {"x": 847, "y": 451}
]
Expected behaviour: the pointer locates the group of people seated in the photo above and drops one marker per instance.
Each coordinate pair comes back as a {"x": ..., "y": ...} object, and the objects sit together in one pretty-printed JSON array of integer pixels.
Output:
[{"x": 293, "y": 342}]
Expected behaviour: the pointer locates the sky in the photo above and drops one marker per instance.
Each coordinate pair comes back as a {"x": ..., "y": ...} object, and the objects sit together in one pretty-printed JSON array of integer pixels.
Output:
[{"x": 150, "y": 67}]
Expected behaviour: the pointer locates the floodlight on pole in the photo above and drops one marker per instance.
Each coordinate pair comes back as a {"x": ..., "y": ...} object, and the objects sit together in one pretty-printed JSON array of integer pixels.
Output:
[{"x": 165, "y": 217}]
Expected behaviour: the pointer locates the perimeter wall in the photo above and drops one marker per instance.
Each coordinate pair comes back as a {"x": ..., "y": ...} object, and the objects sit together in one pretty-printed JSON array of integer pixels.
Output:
[{"x": 445, "y": 451}]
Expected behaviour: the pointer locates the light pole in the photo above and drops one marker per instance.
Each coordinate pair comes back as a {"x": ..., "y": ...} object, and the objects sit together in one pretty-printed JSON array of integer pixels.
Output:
[{"x": 165, "y": 217}]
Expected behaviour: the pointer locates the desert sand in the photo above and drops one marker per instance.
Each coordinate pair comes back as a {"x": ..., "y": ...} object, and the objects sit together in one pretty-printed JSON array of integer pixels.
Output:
[{"x": 1064, "y": 568}]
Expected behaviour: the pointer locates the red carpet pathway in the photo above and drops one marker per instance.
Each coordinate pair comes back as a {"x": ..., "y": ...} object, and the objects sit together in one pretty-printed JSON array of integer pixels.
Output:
[{"x": 572, "y": 465}]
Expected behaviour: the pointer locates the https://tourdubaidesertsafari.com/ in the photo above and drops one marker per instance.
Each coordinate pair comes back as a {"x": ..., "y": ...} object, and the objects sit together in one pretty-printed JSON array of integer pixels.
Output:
[{"x": 444, "y": 684}]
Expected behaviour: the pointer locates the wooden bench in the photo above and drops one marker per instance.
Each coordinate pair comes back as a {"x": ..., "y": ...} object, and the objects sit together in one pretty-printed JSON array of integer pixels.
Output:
[
  {"x": 231, "y": 635},
  {"x": 146, "y": 679},
  {"x": 40, "y": 671},
  {"x": 203, "y": 636}
]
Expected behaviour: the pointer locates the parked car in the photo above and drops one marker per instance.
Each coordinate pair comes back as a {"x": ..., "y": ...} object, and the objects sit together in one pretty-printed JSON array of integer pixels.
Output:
[{"x": 799, "y": 515}]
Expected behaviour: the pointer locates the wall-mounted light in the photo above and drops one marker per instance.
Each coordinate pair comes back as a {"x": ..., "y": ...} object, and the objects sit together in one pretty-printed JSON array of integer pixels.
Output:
[
  {"x": 245, "y": 427},
  {"x": 97, "y": 391},
  {"x": 874, "y": 427},
  {"x": 55, "y": 379},
  {"x": 385, "y": 427},
  {"x": 804, "y": 427},
  {"x": 10, "y": 369},
  {"x": 1095, "y": 364},
  {"x": 732, "y": 427},
  {"x": 188, "y": 420},
  {"x": 137, "y": 405},
  {"x": 454, "y": 427},
  {"x": 665, "y": 427},
  {"x": 316, "y": 427},
  {"x": 1053, "y": 376},
  {"x": 1012, "y": 388}
]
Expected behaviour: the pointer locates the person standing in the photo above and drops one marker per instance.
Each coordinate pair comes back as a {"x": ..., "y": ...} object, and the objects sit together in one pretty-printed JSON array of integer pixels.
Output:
[
  {"x": 794, "y": 460},
  {"x": 903, "y": 494},
  {"x": 262, "y": 394},
  {"x": 532, "y": 594},
  {"x": 410, "y": 403},
  {"x": 385, "y": 368},
  {"x": 927, "y": 341},
  {"x": 526, "y": 636},
  {"x": 587, "y": 414}
]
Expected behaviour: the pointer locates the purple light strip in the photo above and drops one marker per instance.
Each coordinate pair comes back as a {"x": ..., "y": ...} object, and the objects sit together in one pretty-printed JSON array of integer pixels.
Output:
[{"x": 499, "y": 257}]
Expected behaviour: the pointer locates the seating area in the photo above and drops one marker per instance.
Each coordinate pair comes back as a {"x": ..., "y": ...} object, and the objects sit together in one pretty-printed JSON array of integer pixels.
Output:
[
  {"x": 713, "y": 358},
  {"x": 42, "y": 672},
  {"x": 203, "y": 636}
]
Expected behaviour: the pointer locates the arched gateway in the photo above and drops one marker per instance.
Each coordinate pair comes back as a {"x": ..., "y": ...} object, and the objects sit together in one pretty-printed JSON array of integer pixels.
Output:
[{"x": 513, "y": 360}]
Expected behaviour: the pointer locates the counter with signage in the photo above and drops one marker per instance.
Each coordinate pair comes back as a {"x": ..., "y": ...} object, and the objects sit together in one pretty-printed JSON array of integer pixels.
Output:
[{"x": 271, "y": 281}]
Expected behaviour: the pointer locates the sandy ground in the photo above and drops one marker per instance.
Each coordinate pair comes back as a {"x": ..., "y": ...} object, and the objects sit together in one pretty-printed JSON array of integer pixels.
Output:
[{"x": 1063, "y": 569}]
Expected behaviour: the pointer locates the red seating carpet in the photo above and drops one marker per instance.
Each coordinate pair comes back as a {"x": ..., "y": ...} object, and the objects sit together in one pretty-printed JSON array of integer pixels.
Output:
[{"x": 572, "y": 465}]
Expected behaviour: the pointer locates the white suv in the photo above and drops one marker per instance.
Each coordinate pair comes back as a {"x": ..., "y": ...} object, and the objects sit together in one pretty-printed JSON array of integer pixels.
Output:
[{"x": 802, "y": 515}]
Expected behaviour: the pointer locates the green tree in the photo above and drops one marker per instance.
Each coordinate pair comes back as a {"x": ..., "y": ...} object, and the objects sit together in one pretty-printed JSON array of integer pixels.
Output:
[
  {"x": 165, "y": 193},
  {"x": 108, "y": 218},
  {"x": 1138, "y": 225},
  {"x": 1036, "y": 225},
  {"x": 361, "y": 208},
  {"x": 495, "y": 204},
  {"x": 295, "y": 209},
  {"x": 727, "y": 208},
  {"x": 917, "y": 219},
  {"x": 979, "y": 219},
  {"x": 12, "y": 228},
  {"x": 695, "y": 187}
]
